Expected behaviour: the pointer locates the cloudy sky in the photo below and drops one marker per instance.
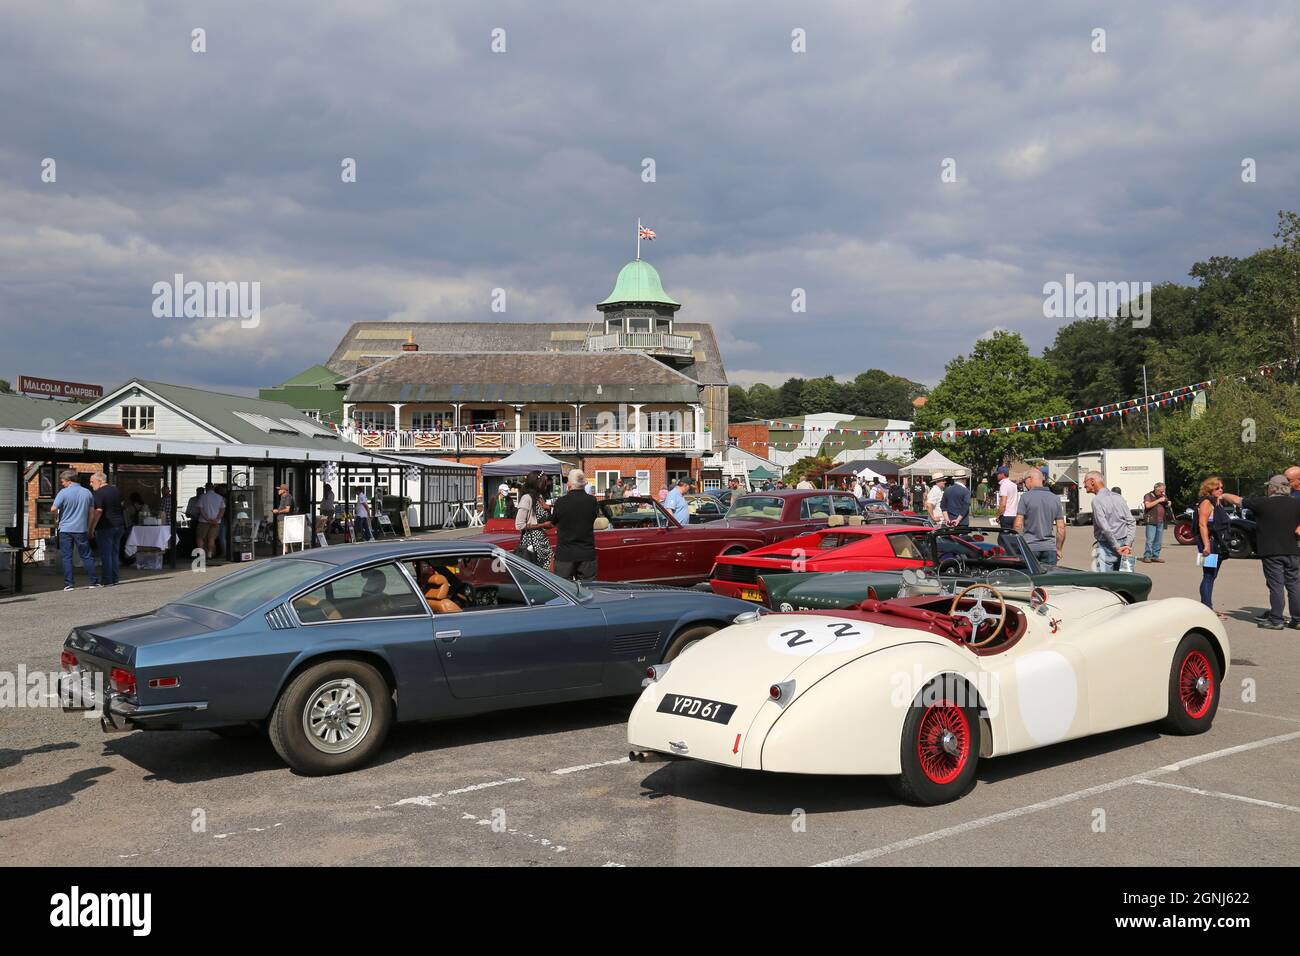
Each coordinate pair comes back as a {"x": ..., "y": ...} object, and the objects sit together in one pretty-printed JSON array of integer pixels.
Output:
[{"x": 522, "y": 170}]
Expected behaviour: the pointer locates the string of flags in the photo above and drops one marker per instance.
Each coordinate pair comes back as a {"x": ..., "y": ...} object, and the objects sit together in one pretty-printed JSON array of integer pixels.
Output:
[{"x": 1081, "y": 416}]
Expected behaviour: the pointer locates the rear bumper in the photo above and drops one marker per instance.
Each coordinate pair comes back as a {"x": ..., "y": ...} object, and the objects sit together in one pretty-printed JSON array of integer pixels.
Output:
[
  {"x": 82, "y": 691},
  {"x": 121, "y": 715},
  {"x": 753, "y": 593}
]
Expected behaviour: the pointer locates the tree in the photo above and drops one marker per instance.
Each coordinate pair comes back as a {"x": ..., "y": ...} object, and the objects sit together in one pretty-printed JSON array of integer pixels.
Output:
[
  {"x": 5, "y": 387},
  {"x": 1249, "y": 431},
  {"x": 878, "y": 394},
  {"x": 821, "y": 395},
  {"x": 999, "y": 383},
  {"x": 790, "y": 402},
  {"x": 812, "y": 467},
  {"x": 739, "y": 406}
]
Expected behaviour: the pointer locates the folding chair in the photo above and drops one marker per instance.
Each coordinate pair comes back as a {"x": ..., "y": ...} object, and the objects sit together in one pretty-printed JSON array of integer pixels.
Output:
[{"x": 475, "y": 516}]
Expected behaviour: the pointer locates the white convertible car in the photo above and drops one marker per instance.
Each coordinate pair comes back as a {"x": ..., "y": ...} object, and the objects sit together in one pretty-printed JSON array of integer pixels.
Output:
[{"x": 920, "y": 687}]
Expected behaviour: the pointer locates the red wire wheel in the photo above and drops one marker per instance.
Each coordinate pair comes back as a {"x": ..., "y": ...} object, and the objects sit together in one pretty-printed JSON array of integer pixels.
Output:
[
  {"x": 944, "y": 729},
  {"x": 1196, "y": 684}
]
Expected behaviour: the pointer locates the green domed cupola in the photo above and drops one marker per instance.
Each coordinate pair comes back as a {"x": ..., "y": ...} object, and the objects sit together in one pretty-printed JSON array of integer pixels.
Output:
[
  {"x": 638, "y": 283},
  {"x": 639, "y": 316}
]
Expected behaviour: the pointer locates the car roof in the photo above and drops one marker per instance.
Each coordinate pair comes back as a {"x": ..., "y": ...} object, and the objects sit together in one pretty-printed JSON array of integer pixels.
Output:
[
  {"x": 796, "y": 492},
  {"x": 343, "y": 554}
]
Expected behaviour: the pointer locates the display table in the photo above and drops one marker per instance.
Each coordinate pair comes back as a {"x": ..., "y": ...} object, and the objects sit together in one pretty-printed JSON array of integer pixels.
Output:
[{"x": 158, "y": 537}]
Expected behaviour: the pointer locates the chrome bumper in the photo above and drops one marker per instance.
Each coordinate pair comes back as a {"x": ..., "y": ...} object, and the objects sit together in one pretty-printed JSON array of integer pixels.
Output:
[{"x": 121, "y": 715}]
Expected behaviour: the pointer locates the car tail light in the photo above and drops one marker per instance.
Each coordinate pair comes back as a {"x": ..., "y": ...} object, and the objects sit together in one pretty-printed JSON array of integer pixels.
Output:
[
  {"x": 654, "y": 672},
  {"x": 165, "y": 682},
  {"x": 781, "y": 692},
  {"x": 123, "y": 681},
  {"x": 775, "y": 691},
  {"x": 68, "y": 660}
]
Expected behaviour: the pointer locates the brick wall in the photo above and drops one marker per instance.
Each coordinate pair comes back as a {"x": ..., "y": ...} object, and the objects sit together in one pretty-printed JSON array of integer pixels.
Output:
[
  {"x": 752, "y": 438},
  {"x": 34, "y": 489}
]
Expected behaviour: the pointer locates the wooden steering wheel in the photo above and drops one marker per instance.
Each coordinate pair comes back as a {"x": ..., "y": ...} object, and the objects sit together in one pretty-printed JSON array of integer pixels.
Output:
[{"x": 978, "y": 616}]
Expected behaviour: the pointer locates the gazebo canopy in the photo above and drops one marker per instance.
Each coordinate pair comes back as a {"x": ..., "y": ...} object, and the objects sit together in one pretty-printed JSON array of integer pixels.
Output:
[
  {"x": 935, "y": 461},
  {"x": 762, "y": 473},
  {"x": 529, "y": 458}
]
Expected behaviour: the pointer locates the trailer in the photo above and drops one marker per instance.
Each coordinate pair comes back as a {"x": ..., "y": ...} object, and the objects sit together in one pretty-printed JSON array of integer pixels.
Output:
[{"x": 1134, "y": 471}]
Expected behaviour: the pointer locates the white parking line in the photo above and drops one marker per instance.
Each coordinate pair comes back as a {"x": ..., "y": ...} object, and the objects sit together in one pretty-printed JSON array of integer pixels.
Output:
[
  {"x": 982, "y": 822},
  {"x": 1221, "y": 795},
  {"x": 1255, "y": 713},
  {"x": 430, "y": 799},
  {"x": 591, "y": 766}
]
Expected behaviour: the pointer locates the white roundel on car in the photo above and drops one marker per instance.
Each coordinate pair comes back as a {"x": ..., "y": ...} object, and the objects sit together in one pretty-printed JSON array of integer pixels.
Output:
[
  {"x": 1047, "y": 689},
  {"x": 807, "y": 636}
]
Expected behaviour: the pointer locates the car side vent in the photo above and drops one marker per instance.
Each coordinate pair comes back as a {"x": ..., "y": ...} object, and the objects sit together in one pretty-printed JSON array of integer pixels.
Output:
[
  {"x": 627, "y": 645},
  {"x": 279, "y": 618}
]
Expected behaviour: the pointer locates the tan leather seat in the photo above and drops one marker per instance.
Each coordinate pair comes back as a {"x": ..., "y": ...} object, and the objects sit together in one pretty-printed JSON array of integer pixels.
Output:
[
  {"x": 600, "y": 524},
  {"x": 834, "y": 521},
  {"x": 855, "y": 519}
]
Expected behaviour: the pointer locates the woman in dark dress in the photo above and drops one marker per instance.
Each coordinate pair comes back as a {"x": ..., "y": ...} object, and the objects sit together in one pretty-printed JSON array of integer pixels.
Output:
[{"x": 1213, "y": 524}]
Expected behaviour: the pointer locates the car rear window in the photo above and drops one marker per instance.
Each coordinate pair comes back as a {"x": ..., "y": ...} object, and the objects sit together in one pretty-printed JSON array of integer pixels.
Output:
[
  {"x": 245, "y": 590},
  {"x": 757, "y": 506}
]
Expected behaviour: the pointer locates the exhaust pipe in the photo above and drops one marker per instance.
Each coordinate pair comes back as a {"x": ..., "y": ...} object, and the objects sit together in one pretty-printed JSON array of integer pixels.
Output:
[{"x": 649, "y": 756}]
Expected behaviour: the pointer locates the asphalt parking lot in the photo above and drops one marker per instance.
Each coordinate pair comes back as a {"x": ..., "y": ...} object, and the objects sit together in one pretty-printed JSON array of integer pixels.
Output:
[{"x": 552, "y": 786}]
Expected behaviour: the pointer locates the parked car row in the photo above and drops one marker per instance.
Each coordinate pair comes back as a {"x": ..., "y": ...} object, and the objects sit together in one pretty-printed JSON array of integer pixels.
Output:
[{"x": 324, "y": 651}]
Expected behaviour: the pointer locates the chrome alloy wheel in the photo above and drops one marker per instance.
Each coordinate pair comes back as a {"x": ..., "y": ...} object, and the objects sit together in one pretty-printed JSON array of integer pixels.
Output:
[{"x": 337, "y": 716}]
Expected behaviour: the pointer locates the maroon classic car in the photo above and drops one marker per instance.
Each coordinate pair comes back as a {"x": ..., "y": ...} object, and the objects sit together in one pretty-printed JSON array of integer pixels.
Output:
[{"x": 644, "y": 543}]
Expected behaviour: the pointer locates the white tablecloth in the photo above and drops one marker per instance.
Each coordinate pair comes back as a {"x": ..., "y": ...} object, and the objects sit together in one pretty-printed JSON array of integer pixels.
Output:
[{"x": 148, "y": 536}]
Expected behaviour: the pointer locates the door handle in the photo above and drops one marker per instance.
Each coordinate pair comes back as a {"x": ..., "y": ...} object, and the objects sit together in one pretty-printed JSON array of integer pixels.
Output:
[
  {"x": 447, "y": 636},
  {"x": 629, "y": 540}
]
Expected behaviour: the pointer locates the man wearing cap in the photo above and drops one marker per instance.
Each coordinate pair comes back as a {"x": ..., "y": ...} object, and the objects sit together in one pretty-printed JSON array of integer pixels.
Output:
[
  {"x": 1276, "y": 516},
  {"x": 676, "y": 502},
  {"x": 1008, "y": 498},
  {"x": 1155, "y": 505},
  {"x": 501, "y": 503}
]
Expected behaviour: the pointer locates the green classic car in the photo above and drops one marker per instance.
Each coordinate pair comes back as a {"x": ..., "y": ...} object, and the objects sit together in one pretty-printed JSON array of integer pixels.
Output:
[{"x": 814, "y": 590}]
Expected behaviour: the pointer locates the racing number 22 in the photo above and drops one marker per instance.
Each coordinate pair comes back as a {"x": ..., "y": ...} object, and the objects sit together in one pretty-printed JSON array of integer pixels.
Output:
[{"x": 799, "y": 637}]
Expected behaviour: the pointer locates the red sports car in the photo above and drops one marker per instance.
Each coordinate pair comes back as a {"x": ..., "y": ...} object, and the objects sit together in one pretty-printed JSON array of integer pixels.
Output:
[
  {"x": 872, "y": 547},
  {"x": 644, "y": 543}
]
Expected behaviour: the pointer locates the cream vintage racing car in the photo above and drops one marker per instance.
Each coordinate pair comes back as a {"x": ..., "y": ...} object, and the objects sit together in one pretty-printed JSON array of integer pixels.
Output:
[{"x": 920, "y": 687}]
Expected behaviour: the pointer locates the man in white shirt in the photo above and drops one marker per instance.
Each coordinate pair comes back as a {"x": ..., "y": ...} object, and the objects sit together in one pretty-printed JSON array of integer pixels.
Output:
[
  {"x": 362, "y": 522},
  {"x": 212, "y": 512},
  {"x": 934, "y": 498},
  {"x": 806, "y": 485},
  {"x": 1008, "y": 499}
]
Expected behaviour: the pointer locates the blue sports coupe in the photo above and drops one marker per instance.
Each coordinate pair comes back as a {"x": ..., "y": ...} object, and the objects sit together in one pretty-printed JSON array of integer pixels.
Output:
[{"x": 325, "y": 650}]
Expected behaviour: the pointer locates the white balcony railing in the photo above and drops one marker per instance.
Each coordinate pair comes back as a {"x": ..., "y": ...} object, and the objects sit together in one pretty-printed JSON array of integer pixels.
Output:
[
  {"x": 504, "y": 442},
  {"x": 641, "y": 341}
]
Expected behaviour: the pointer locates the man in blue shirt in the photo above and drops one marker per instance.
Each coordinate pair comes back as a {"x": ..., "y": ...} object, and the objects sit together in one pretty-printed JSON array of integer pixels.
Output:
[
  {"x": 676, "y": 502},
  {"x": 72, "y": 506}
]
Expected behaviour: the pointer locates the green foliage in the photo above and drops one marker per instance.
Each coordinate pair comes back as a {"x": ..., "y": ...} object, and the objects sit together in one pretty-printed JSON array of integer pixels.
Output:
[
  {"x": 997, "y": 384},
  {"x": 872, "y": 394},
  {"x": 5, "y": 387},
  {"x": 811, "y": 467}
]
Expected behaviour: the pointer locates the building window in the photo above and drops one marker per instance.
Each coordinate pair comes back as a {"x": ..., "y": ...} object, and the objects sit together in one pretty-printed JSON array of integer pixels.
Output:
[
  {"x": 638, "y": 323},
  {"x": 663, "y": 325},
  {"x": 485, "y": 417},
  {"x": 137, "y": 418},
  {"x": 312, "y": 413},
  {"x": 605, "y": 480},
  {"x": 549, "y": 422},
  {"x": 374, "y": 421},
  {"x": 664, "y": 421}
]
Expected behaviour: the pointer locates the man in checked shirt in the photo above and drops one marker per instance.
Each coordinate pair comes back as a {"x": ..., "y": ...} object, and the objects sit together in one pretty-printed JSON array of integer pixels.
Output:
[{"x": 1113, "y": 526}]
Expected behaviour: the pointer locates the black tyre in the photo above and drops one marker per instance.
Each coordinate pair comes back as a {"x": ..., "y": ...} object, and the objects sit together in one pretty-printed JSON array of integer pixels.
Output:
[
  {"x": 1194, "y": 678},
  {"x": 332, "y": 718},
  {"x": 685, "y": 639},
  {"x": 1238, "y": 544},
  {"x": 940, "y": 745}
]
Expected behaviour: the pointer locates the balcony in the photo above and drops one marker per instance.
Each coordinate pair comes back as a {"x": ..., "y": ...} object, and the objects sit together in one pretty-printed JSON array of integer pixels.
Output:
[
  {"x": 505, "y": 442},
  {"x": 659, "y": 343}
]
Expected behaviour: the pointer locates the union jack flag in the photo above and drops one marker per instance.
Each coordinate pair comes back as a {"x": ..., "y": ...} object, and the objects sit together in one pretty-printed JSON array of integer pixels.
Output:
[{"x": 647, "y": 233}]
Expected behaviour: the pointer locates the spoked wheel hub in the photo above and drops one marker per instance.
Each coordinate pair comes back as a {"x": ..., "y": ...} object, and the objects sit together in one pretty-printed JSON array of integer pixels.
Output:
[
  {"x": 1196, "y": 684},
  {"x": 943, "y": 744},
  {"x": 337, "y": 716}
]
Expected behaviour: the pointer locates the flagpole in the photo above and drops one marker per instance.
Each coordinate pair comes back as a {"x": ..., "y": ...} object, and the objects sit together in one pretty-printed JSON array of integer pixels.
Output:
[{"x": 638, "y": 237}]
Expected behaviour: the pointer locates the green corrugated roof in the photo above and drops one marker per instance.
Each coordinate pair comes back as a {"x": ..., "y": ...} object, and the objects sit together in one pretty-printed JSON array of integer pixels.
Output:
[
  {"x": 317, "y": 375},
  {"x": 18, "y": 411},
  {"x": 218, "y": 410},
  {"x": 639, "y": 282}
]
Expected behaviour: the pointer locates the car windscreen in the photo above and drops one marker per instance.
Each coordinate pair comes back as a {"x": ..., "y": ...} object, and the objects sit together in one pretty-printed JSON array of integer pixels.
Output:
[
  {"x": 245, "y": 590},
  {"x": 757, "y": 506}
]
